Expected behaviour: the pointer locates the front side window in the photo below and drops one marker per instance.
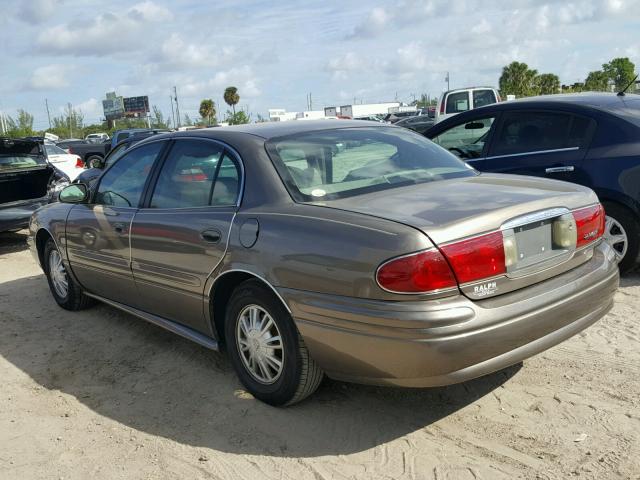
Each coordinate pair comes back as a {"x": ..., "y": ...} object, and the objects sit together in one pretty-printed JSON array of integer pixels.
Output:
[
  {"x": 187, "y": 177},
  {"x": 458, "y": 102},
  {"x": 466, "y": 140},
  {"x": 338, "y": 163},
  {"x": 524, "y": 132},
  {"x": 122, "y": 185},
  {"x": 116, "y": 153}
]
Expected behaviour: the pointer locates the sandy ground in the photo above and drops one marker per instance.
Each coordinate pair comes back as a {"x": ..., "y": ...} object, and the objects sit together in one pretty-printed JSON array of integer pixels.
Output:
[{"x": 99, "y": 394}]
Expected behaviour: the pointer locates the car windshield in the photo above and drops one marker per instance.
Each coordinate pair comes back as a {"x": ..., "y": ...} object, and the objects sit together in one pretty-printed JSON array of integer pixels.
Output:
[{"x": 332, "y": 164}]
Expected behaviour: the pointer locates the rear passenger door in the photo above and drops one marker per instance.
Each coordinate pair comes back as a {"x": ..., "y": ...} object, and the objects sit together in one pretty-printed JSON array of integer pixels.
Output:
[
  {"x": 181, "y": 234},
  {"x": 540, "y": 143}
]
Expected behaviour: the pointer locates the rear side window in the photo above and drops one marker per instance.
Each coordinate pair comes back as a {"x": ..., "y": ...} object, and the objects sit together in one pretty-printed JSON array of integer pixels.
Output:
[
  {"x": 338, "y": 163},
  {"x": 187, "y": 176},
  {"x": 483, "y": 97},
  {"x": 532, "y": 131},
  {"x": 458, "y": 102}
]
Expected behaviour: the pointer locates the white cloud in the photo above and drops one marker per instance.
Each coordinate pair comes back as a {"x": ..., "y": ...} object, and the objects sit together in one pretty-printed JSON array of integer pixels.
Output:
[
  {"x": 176, "y": 52},
  {"x": 37, "y": 11},
  {"x": 107, "y": 33},
  {"x": 50, "y": 77},
  {"x": 241, "y": 77},
  {"x": 91, "y": 109}
]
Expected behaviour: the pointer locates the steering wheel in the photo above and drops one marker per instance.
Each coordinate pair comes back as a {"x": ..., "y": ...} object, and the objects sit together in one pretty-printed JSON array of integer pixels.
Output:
[{"x": 459, "y": 152}]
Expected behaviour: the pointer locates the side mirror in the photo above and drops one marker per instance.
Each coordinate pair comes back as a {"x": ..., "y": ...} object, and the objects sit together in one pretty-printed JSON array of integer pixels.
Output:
[{"x": 76, "y": 193}]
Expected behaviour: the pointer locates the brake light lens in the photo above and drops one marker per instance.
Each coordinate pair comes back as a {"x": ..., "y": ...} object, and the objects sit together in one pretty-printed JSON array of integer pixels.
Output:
[
  {"x": 442, "y": 106},
  {"x": 477, "y": 258},
  {"x": 420, "y": 272},
  {"x": 589, "y": 224},
  {"x": 79, "y": 163}
]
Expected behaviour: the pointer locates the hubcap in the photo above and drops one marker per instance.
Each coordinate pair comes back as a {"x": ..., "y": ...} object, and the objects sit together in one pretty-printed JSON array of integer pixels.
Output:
[
  {"x": 260, "y": 344},
  {"x": 58, "y": 274},
  {"x": 616, "y": 236}
]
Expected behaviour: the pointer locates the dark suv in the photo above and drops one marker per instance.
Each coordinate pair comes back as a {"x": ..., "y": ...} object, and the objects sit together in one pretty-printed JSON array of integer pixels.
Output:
[{"x": 592, "y": 139}]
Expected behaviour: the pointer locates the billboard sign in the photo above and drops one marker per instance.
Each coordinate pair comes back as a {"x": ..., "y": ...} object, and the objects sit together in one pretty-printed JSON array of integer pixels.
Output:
[
  {"x": 136, "y": 106},
  {"x": 113, "y": 106}
]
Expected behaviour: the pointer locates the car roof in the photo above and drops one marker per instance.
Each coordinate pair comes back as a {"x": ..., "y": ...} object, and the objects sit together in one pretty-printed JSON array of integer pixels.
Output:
[
  {"x": 269, "y": 130},
  {"x": 599, "y": 100}
]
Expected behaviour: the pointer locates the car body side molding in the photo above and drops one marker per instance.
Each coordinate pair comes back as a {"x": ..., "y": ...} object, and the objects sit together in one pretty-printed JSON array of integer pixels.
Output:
[{"x": 169, "y": 325}]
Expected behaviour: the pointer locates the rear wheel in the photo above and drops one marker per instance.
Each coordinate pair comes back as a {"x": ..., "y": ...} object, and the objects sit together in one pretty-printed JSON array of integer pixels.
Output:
[
  {"x": 265, "y": 348},
  {"x": 66, "y": 292},
  {"x": 94, "y": 161},
  {"x": 622, "y": 232}
]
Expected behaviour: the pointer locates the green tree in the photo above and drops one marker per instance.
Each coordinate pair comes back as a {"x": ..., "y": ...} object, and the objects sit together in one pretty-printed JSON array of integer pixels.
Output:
[
  {"x": 157, "y": 118},
  {"x": 621, "y": 71},
  {"x": 22, "y": 126},
  {"x": 187, "y": 122},
  {"x": 547, "y": 83},
  {"x": 207, "y": 110},
  {"x": 518, "y": 79},
  {"x": 231, "y": 97},
  {"x": 237, "y": 118},
  {"x": 597, "y": 81}
]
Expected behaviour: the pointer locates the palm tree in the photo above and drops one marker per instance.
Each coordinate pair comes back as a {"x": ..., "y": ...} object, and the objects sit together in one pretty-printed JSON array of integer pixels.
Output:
[
  {"x": 207, "y": 109},
  {"x": 231, "y": 97}
]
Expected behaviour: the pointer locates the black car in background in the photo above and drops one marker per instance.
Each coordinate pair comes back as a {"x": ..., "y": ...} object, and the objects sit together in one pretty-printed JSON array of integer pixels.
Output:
[
  {"x": 27, "y": 181},
  {"x": 417, "y": 123},
  {"x": 592, "y": 139},
  {"x": 88, "y": 176}
]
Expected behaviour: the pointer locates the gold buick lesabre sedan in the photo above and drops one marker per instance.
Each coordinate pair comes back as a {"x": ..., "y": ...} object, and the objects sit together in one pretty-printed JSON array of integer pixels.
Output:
[{"x": 359, "y": 251}]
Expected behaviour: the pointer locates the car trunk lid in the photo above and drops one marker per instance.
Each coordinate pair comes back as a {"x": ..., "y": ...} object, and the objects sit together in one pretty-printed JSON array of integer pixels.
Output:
[
  {"x": 24, "y": 172},
  {"x": 525, "y": 210}
]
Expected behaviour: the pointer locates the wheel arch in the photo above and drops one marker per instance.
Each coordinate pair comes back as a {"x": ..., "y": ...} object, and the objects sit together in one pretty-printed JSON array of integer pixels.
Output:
[
  {"x": 41, "y": 240},
  {"x": 221, "y": 291}
]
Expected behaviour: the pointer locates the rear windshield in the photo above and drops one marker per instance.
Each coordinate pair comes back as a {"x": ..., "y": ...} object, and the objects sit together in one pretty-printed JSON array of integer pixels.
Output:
[
  {"x": 11, "y": 162},
  {"x": 332, "y": 164}
]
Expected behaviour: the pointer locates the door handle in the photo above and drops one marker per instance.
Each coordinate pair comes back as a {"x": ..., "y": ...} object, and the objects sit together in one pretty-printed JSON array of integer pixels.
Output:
[
  {"x": 211, "y": 236},
  {"x": 569, "y": 168}
]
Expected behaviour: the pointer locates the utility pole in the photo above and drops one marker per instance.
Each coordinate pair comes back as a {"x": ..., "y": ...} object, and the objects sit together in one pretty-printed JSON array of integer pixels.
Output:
[
  {"x": 446, "y": 79},
  {"x": 48, "y": 114},
  {"x": 173, "y": 116},
  {"x": 175, "y": 93},
  {"x": 310, "y": 102}
]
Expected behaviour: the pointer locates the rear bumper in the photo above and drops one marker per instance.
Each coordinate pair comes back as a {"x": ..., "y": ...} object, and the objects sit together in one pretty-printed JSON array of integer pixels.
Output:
[
  {"x": 445, "y": 341},
  {"x": 16, "y": 215}
]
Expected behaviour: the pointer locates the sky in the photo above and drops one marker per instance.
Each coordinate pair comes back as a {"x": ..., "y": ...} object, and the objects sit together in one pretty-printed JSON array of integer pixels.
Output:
[{"x": 276, "y": 52}]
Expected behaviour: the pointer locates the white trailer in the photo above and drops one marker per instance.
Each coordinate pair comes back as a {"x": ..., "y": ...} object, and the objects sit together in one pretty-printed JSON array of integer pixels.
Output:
[{"x": 366, "y": 109}]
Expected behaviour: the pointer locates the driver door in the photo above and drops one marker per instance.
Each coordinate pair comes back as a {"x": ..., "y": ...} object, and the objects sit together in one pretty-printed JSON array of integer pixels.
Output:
[{"x": 98, "y": 234}]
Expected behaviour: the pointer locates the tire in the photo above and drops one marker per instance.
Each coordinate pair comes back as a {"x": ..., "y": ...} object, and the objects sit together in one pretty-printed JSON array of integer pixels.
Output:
[
  {"x": 298, "y": 377},
  {"x": 94, "y": 161},
  {"x": 631, "y": 227},
  {"x": 73, "y": 298}
]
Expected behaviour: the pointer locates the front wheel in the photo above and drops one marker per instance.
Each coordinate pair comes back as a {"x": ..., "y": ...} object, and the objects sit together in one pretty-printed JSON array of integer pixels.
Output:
[
  {"x": 66, "y": 292},
  {"x": 265, "y": 348}
]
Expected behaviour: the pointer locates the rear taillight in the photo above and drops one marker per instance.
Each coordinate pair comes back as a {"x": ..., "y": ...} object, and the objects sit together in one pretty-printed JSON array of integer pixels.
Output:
[
  {"x": 442, "y": 107},
  {"x": 70, "y": 150},
  {"x": 477, "y": 258},
  {"x": 79, "y": 163},
  {"x": 589, "y": 224},
  {"x": 420, "y": 272}
]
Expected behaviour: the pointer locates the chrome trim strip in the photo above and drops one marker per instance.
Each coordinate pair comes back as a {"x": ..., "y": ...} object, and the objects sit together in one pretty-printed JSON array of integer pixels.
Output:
[
  {"x": 534, "y": 217},
  {"x": 535, "y": 152},
  {"x": 257, "y": 276},
  {"x": 169, "y": 325}
]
